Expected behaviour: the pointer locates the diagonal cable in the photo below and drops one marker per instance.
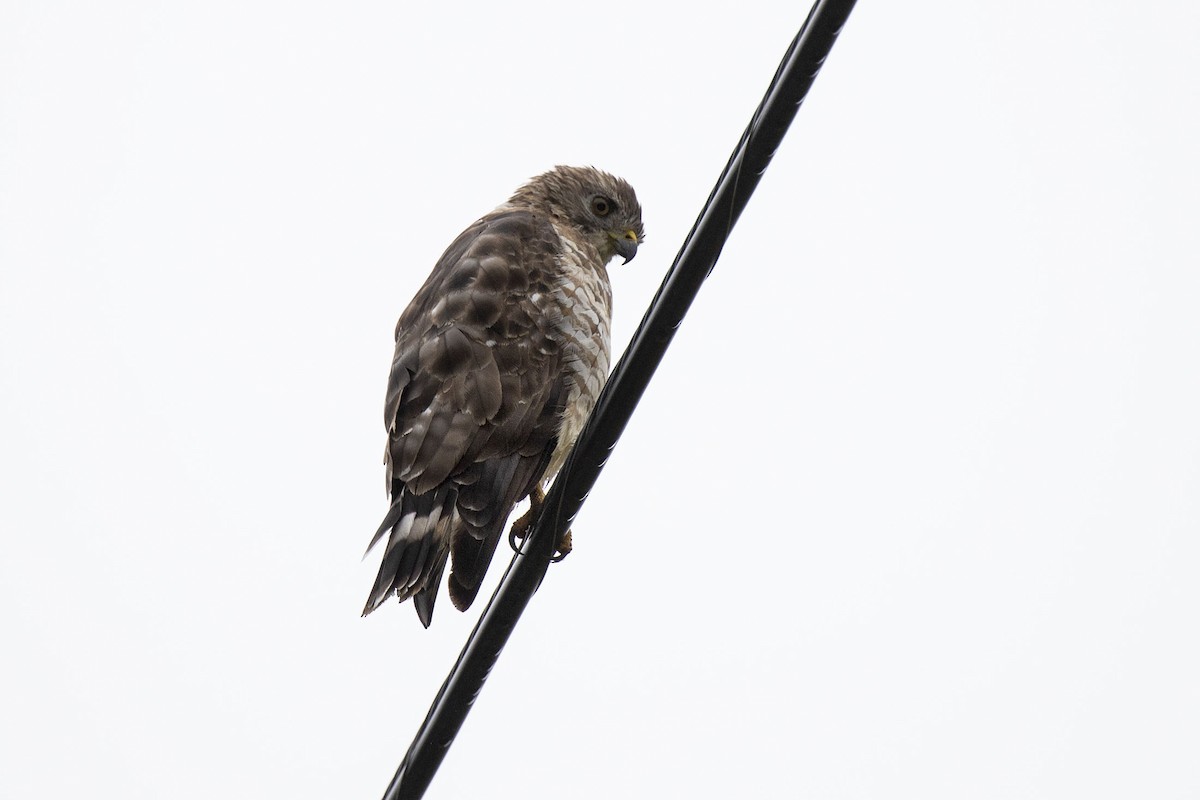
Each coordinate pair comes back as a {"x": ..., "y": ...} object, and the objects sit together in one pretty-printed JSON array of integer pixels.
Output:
[{"x": 696, "y": 258}]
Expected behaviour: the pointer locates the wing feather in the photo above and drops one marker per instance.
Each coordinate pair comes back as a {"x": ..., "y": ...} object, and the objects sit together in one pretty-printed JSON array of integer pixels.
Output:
[{"x": 472, "y": 406}]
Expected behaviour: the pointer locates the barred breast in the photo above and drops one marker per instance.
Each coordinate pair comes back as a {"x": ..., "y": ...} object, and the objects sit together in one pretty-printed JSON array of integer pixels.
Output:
[{"x": 584, "y": 298}]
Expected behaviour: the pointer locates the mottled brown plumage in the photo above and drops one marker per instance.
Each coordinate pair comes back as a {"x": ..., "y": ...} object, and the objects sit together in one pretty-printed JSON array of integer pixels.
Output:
[{"x": 499, "y": 359}]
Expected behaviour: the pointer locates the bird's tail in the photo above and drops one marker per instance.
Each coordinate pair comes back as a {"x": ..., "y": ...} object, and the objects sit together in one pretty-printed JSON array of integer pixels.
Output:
[{"x": 418, "y": 528}]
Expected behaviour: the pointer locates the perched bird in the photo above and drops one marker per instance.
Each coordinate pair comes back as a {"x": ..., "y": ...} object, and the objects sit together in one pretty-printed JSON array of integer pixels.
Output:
[{"x": 499, "y": 360}]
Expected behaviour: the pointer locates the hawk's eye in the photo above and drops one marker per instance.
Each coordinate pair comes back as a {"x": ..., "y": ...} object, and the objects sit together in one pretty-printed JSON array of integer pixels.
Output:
[{"x": 602, "y": 206}]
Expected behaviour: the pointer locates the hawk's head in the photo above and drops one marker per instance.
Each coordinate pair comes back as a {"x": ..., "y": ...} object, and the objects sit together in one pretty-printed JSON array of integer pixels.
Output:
[{"x": 600, "y": 206}]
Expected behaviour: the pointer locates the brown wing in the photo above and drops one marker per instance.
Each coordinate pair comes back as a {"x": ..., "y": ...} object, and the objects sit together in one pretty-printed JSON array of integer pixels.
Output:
[{"x": 473, "y": 403}]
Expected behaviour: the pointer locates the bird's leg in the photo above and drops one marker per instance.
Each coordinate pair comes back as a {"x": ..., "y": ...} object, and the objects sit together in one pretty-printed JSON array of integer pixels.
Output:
[
  {"x": 516, "y": 534},
  {"x": 520, "y": 528}
]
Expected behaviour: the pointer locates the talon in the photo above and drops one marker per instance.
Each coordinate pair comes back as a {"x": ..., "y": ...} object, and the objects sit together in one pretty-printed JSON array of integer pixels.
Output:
[
  {"x": 563, "y": 550},
  {"x": 516, "y": 534},
  {"x": 520, "y": 528}
]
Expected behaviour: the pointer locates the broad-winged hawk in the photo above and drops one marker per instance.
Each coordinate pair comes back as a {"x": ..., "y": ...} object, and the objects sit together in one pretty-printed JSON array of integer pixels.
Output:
[{"x": 499, "y": 359}]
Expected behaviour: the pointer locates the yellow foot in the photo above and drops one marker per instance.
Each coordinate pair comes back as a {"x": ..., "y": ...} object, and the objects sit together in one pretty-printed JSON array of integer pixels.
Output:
[
  {"x": 520, "y": 528},
  {"x": 564, "y": 548}
]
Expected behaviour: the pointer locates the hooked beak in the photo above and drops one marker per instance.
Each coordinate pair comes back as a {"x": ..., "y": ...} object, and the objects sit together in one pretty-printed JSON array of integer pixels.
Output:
[{"x": 626, "y": 244}]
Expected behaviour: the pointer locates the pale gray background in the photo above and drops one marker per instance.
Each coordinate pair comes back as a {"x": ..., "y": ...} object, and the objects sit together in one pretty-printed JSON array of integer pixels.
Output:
[{"x": 910, "y": 510}]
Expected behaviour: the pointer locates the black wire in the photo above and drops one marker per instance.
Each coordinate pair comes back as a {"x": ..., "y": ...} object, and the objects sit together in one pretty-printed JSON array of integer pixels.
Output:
[{"x": 621, "y": 394}]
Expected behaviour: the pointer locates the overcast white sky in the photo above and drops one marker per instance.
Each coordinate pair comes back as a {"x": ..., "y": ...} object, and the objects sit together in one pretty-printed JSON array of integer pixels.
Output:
[{"x": 911, "y": 509}]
